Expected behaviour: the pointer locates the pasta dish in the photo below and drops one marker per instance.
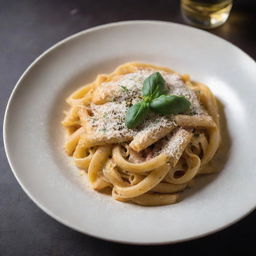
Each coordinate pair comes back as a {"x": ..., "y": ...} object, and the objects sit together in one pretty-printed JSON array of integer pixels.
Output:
[{"x": 142, "y": 132}]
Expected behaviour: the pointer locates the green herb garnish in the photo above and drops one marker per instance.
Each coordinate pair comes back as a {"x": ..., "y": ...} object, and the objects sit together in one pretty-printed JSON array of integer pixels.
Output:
[
  {"x": 136, "y": 114},
  {"x": 153, "y": 87},
  {"x": 169, "y": 104},
  {"x": 156, "y": 100},
  {"x": 124, "y": 88}
]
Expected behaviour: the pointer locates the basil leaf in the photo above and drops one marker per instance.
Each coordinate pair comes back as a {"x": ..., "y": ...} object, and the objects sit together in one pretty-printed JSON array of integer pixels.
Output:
[
  {"x": 169, "y": 104},
  {"x": 136, "y": 114},
  {"x": 153, "y": 86}
]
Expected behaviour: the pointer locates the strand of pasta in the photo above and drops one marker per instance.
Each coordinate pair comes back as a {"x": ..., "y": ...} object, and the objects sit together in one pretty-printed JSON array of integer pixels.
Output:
[
  {"x": 210, "y": 103},
  {"x": 193, "y": 162},
  {"x": 97, "y": 163},
  {"x": 135, "y": 178},
  {"x": 82, "y": 155},
  {"x": 144, "y": 139},
  {"x": 72, "y": 140},
  {"x": 112, "y": 175},
  {"x": 156, "y": 199},
  {"x": 83, "y": 95},
  {"x": 145, "y": 185},
  {"x": 137, "y": 167},
  {"x": 197, "y": 121}
]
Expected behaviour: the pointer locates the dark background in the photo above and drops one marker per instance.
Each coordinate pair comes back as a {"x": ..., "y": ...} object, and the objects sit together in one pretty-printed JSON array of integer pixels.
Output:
[{"x": 29, "y": 27}]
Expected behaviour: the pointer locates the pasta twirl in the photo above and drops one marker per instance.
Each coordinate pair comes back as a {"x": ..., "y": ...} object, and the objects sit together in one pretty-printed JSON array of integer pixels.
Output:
[{"x": 153, "y": 163}]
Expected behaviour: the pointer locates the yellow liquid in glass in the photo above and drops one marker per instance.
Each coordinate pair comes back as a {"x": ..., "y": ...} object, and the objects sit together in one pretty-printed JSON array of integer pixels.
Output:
[{"x": 206, "y": 13}]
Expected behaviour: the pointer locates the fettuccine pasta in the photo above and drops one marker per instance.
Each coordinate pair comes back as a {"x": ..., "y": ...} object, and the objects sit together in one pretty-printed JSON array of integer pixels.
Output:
[{"x": 153, "y": 163}]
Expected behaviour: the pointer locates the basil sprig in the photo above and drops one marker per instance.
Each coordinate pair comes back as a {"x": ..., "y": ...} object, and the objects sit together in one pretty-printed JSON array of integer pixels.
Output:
[
  {"x": 136, "y": 114},
  {"x": 169, "y": 104},
  {"x": 156, "y": 100},
  {"x": 153, "y": 87}
]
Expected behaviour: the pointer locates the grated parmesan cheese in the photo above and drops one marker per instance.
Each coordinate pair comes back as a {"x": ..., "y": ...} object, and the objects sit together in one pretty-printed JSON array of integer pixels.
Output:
[
  {"x": 154, "y": 123},
  {"x": 109, "y": 119},
  {"x": 171, "y": 146}
]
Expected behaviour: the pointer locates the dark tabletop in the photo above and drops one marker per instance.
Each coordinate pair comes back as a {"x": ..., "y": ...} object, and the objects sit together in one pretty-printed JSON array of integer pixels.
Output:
[{"x": 29, "y": 27}]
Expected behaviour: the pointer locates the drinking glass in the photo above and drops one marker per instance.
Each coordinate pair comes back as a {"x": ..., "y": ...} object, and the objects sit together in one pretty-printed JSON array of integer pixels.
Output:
[{"x": 206, "y": 13}]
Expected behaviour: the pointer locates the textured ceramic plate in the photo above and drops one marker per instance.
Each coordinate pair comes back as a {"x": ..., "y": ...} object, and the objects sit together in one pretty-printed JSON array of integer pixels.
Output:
[{"x": 34, "y": 137}]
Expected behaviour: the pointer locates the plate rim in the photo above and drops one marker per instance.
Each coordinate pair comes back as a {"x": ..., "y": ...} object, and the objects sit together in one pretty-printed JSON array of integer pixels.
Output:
[{"x": 48, "y": 51}]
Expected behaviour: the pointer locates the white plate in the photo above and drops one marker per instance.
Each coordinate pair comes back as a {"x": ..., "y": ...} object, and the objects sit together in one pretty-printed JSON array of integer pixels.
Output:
[{"x": 33, "y": 136}]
